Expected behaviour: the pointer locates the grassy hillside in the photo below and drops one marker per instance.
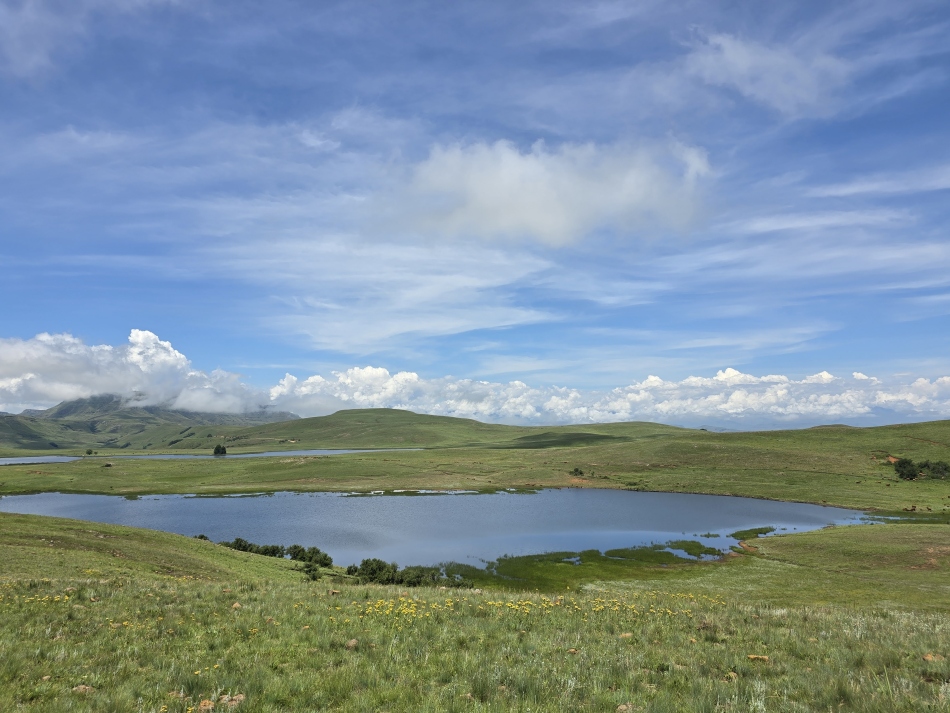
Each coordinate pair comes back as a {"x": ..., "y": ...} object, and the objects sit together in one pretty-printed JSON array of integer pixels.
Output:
[
  {"x": 129, "y": 430},
  {"x": 839, "y": 466},
  {"x": 45, "y": 547},
  {"x": 163, "y": 623},
  {"x": 103, "y": 422}
]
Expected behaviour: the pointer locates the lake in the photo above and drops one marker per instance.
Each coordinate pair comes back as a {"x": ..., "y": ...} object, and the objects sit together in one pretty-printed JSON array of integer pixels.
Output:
[{"x": 430, "y": 528}]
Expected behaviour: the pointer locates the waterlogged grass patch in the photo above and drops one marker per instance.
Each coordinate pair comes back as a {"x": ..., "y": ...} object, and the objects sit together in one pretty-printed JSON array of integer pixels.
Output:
[
  {"x": 180, "y": 646},
  {"x": 752, "y": 533}
]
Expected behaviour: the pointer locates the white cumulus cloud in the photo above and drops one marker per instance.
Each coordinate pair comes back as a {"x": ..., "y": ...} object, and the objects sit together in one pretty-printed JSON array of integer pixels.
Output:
[
  {"x": 554, "y": 196},
  {"x": 47, "y": 369}
]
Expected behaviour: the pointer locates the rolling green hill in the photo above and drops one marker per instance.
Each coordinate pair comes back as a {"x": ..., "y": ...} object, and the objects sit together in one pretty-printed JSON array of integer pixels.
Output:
[{"x": 109, "y": 422}]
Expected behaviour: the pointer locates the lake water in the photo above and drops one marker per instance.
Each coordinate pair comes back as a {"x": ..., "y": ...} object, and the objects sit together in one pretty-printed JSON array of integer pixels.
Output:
[
  {"x": 30, "y": 460},
  {"x": 431, "y": 528}
]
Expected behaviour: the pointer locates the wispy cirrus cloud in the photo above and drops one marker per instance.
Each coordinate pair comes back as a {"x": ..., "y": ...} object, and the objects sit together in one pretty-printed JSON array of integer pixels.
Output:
[
  {"x": 789, "y": 80},
  {"x": 919, "y": 181},
  {"x": 33, "y": 32}
]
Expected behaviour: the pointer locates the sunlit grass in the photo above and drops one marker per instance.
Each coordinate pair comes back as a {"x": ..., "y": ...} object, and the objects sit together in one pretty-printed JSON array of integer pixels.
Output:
[{"x": 171, "y": 644}]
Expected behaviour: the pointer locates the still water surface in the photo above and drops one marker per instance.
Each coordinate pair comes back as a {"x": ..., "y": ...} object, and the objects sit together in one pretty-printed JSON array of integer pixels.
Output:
[{"x": 431, "y": 528}]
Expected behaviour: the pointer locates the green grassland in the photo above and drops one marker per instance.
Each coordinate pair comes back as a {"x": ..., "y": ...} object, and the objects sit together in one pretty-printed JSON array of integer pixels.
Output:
[
  {"x": 843, "y": 619},
  {"x": 106, "y": 618},
  {"x": 834, "y": 465}
]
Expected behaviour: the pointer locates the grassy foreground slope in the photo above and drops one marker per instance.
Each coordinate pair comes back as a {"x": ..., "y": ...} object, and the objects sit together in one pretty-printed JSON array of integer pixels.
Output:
[{"x": 165, "y": 623}]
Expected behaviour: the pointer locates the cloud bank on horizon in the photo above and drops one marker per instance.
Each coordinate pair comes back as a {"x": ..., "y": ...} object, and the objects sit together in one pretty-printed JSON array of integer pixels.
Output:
[
  {"x": 581, "y": 194},
  {"x": 49, "y": 368}
]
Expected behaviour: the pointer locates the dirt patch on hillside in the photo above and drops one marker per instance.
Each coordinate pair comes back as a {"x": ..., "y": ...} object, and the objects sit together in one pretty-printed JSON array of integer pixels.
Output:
[{"x": 932, "y": 558}]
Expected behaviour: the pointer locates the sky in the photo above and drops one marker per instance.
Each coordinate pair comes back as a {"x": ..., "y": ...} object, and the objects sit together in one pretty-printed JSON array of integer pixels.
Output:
[{"x": 731, "y": 214}]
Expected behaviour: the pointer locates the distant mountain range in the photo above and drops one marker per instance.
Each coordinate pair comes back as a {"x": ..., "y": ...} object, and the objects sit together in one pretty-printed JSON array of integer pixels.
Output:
[{"x": 109, "y": 421}]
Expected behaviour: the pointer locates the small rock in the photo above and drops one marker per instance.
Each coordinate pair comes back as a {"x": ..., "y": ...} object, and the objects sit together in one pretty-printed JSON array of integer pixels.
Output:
[
  {"x": 352, "y": 644},
  {"x": 236, "y": 605},
  {"x": 333, "y": 592},
  {"x": 476, "y": 591},
  {"x": 206, "y": 705},
  {"x": 625, "y": 708},
  {"x": 933, "y": 657},
  {"x": 756, "y": 657},
  {"x": 626, "y": 635},
  {"x": 46, "y": 678},
  {"x": 573, "y": 651},
  {"x": 83, "y": 688}
]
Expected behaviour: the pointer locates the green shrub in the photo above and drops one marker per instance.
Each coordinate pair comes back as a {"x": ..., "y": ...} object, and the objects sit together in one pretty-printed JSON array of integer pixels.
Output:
[
  {"x": 936, "y": 469},
  {"x": 220, "y": 450},
  {"x": 905, "y": 469},
  {"x": 376, "y": 571}
]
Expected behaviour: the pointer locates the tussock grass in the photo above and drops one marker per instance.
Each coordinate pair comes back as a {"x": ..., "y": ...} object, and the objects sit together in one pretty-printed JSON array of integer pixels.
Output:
[{"x": 168, "y": 645}]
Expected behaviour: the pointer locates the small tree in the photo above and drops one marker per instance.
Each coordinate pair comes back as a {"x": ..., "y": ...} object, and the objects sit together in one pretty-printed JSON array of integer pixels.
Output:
[
  {"x": 905, "y": 468},
  {"x": 89, "y": 451},
  {"x": 220, "y": 450}
]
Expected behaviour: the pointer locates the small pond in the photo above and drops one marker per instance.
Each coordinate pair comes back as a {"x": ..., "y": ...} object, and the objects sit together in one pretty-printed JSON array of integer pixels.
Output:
[
  {"x": 430, "y": 528},
  {"x": 31, "y": 460}
]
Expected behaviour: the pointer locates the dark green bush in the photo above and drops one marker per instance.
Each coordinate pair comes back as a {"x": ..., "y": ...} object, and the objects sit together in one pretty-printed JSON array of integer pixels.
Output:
[
  {"x": 935, "y": 469},
  {"x": 377, "y": 571},
  {"x": 313, "y": 555},
  {"x": 905, "y": 469},
  {"x": 220, "y": 450},
  {"x": 908, "y": 470}
]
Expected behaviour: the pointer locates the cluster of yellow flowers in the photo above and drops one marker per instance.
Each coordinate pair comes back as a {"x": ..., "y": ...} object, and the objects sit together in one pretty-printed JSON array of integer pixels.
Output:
[
  {"x": 10, "y": 600},
  {"x": 406, "y": 609}
]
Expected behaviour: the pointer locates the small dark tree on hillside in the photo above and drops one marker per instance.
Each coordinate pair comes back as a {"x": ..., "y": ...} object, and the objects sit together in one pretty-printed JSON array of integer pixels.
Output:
[
  {"x": 220, "y": 450},
  {"x": 905, "y": 469}
]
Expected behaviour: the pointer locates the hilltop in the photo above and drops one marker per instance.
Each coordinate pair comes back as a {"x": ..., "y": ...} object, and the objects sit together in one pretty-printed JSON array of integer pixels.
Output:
[{"x": 109, "y": 421}]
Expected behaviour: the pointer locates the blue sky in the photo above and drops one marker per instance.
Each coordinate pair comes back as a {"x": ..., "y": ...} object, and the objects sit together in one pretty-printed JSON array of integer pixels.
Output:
[{"x": 497, "y": 203}]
